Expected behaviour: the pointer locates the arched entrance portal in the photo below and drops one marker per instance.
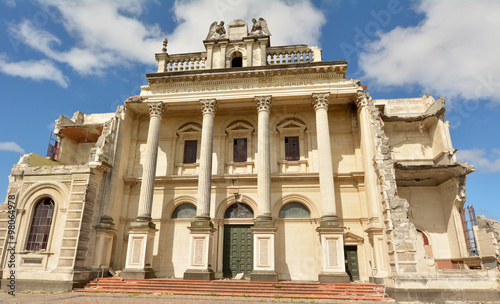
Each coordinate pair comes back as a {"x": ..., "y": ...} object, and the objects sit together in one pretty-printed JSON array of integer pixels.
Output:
[{"x": 238, "y": 241}]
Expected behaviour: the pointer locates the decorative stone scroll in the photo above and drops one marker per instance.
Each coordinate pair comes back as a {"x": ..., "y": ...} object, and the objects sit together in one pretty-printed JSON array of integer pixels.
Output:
[
  {"x": 361, "y": 99},
  {"x": 320, "y": 100},
  {"x": 208, "y": 106},
  {"x": 156, "y": 109},
  {"x": 263, "y": 103}
]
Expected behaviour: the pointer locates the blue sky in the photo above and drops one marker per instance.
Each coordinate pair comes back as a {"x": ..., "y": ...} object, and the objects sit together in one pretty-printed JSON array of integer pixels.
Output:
[{"x": 60, "y": 57}]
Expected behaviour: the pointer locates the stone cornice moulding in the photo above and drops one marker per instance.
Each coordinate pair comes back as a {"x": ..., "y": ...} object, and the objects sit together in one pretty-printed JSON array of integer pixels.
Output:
[{"x": 228, "y": 178}]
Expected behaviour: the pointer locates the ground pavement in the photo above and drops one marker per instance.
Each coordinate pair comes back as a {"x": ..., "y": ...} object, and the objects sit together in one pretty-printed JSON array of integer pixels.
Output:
[{"x": 107, "y": 298}]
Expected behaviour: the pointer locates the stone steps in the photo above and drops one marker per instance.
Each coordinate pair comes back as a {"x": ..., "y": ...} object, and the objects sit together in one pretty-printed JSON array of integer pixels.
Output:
[{"x": 239, "y": 288}]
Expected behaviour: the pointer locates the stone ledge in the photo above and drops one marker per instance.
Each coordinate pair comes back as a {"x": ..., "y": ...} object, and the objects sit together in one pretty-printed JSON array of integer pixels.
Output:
[
  {"x": 441, "y": 296},
  {"x": 340, "y": 277},
  {"x": 264, "y": 276},
  {"x": 199, "y": 275},
  {"x": 43, "y": 285}
]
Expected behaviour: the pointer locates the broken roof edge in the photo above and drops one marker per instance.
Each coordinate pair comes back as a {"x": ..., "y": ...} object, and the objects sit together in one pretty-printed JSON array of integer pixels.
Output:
[{"x": 435, "y": 109}]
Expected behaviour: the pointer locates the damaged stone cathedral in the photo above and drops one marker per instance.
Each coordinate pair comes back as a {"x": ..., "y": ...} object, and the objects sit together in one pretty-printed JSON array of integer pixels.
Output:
[{"x": 255, "y": 159}]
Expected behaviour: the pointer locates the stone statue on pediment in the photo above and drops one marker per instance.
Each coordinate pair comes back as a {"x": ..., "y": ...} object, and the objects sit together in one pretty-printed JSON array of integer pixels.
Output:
[
  {"x": 259, "y": 28},
  {"x": 216, "y": 31}
]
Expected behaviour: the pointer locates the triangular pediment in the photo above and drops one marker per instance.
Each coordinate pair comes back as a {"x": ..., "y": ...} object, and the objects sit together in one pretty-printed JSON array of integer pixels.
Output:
[
  {"x": 291, "y": 124},
  {"x": 189, "y": 128},
  {"x": 351, "y": 238},
  {"x": 240, "y": 127}
]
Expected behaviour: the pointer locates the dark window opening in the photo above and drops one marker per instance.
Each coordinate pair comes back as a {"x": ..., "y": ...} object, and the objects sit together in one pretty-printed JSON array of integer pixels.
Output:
[
  {"x": 190, "y": 147},
  {"x": 40, "y": 225},
  {"x": 239, "y": 210},
  {"x": 292, "y": 148},
  {"x": 186, "y": 210},
  {"x": 240, "y": 150},
  {"x": 294, "y": 210},
  {"x": 237, "y": 62}
]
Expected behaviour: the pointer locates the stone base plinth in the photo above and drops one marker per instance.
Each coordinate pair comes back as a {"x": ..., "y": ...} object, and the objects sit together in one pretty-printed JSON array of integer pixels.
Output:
[
  {"x": 41, "y": 285},
  {"x": 147, "y": 273},
  {"x": 199, "y": 275},
  {"x": 264, "y": 276},
  {"x": 340, "y": 277}
]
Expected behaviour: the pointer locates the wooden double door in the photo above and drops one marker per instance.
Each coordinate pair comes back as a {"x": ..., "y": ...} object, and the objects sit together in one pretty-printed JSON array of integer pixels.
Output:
[{"x": 238, "y": 250}]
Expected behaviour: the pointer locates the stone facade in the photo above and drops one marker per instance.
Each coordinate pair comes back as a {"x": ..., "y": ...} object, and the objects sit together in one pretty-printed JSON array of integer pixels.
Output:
[{"x": 246, "y": 134}]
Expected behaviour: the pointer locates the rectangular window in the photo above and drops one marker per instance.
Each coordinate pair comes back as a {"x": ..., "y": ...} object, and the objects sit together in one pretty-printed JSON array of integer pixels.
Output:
[
  {"x": 292, "y": 148},
  {"x": 190, "y": 147},
  {"x": 240, "y": 150}
]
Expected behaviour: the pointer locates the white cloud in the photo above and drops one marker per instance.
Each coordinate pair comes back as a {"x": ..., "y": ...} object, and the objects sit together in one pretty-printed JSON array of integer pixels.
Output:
[
  {"x": 107, "y": 34},
  {"x": 111, "y": 33},
  {"x": 10, "y": 3},
  {"x": 11, "y": 146},
  {"x": 290, "y": 22},
  {"x": 36, "y": 70},
  {"x": 452, "y": 52},
  {"x": 482, "y": 161}
]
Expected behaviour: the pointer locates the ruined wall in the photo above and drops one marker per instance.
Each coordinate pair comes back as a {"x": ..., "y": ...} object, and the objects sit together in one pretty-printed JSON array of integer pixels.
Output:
[
  {"x": 400, "y": 232},
  {"x": 488, "y": 235}
]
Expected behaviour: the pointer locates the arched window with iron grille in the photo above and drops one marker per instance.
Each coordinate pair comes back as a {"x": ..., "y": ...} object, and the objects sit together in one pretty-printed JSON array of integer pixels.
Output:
[{"x": 40, "y": 225}]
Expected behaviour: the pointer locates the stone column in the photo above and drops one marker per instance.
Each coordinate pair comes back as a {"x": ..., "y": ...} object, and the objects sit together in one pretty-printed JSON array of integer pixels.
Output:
[
  {"x": 149, "y": 169},
  {"x": 263, "y": 158},
  {"x": 263, "y": 231},
  {"x": 201, "y": 230},
  {"x": 331, "y": 234},
  {"x": 327, "y": 189},
  {"x": 208, "y": 108},
  {"x": 141, "y": 234},
  {"x": 368, "y": 152}
]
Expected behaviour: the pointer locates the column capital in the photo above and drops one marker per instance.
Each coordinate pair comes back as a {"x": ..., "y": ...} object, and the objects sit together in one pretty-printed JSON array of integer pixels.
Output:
[
  {"x": 361, "y": 99},
  {"x": 320, "y": 100},
  {"x": 156, "y": 109},
  {"x": 263, "y": 103},
  {"x": 208, "y": 106}
]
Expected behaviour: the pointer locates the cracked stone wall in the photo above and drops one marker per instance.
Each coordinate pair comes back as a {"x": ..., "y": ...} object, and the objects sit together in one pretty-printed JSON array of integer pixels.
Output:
[
  {"x": 488, "y": 236},
  {"x": 400, "y": 232}
]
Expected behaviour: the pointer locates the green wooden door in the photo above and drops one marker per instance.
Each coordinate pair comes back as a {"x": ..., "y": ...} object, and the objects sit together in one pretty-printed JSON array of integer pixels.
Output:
[
  {"x": 351, "y": 258},
  {"x": 238, "y": 250}
]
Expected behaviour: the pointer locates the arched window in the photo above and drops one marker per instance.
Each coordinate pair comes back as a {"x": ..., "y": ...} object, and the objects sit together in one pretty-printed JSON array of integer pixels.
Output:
[
  {"x": 237, "y": 61},
  {"x": 239, "y": 210},
  {"x": 294, "y": 210},
  {"x": 186, "y": 210},
  {"x": 40, "y": 225}
]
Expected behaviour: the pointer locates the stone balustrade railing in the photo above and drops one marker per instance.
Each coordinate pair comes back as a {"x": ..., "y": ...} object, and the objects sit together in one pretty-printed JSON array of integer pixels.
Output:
[
  {"x": 275, "y": 56},
  {"x": 293, "y": 54},
  {"x": 181, "y": 62}
]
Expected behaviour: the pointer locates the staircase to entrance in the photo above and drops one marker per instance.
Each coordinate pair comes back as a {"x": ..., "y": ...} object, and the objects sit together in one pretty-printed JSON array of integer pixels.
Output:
[{"x": 305, "y": 290}]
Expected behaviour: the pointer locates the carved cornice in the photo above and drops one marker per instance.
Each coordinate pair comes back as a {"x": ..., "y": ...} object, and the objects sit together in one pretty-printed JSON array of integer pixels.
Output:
[
  {"x": 263, "y": 103},
  {"x": 320, "y": 100},
  {"x": 156, "y": 109},
  {"x": 208, "y": 106}
]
